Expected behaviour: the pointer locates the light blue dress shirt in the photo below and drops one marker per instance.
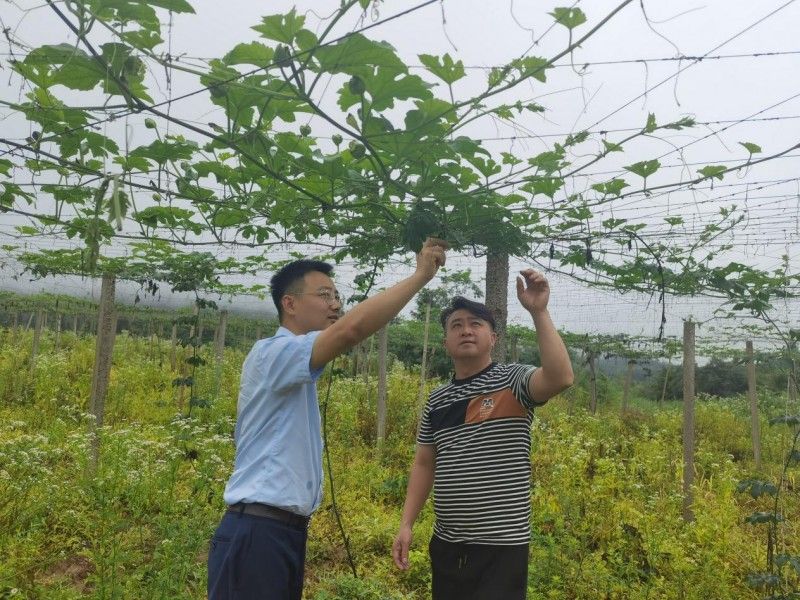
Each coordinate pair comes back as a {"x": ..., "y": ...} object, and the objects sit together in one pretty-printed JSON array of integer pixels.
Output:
[{"x": 278, "y": 437}]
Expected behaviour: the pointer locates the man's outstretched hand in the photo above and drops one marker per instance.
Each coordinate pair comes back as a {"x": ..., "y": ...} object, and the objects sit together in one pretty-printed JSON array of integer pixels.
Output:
[
  {"x": 431, "y": 257},
  {"x": 533, "y": 290}
]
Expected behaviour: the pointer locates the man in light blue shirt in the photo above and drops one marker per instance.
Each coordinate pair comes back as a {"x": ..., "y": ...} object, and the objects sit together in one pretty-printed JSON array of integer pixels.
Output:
[{"x": 258, "y": 550}]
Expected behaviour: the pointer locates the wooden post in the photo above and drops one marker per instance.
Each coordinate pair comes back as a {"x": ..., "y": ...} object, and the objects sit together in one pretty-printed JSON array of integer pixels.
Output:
[
  {"x": 755, "y": 422},
  {"x": 666, "y": 381},
  {"x": 174, "y": 345},
  {"x": 367, "y": 366},
  {"x": 219, "y": 350},
  {"x": 104, "y": 349},
  {"x": 592, "y": 383},
  {"x": 14, "y": 327},
  {"x": 57, "y": 342},
  {"x": 628, "y": 380},
  {"x": 383, "y": 346},
  {"x": 37, "y": 337},
  {"x": 688, "y": 419}
]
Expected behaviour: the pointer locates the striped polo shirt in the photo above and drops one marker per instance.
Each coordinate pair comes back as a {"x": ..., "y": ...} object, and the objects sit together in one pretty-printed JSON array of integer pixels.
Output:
[{"x": 480, "y": 427}]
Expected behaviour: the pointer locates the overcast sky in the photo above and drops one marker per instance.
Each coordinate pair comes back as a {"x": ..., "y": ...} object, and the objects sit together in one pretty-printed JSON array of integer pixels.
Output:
[{"x": 746, "y": 89}]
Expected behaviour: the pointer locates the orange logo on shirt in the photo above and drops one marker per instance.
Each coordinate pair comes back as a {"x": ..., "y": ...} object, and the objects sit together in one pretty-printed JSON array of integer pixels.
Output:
[{"x": 496, "y": 405}]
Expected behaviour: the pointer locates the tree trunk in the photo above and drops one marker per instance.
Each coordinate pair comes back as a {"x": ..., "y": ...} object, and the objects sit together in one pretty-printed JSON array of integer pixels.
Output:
[
  {"x": 688, "y": 419},
  {"x": 497, "y": 298},
  {"x": 514, "y": 350},
  {"x": 423, "y": 368},
  {"x": 628, "y": 380},
  {"x": 755, "y": 422},
  {"x": 383, "y": 347},
  {"x": 104, "y": 349},
  {"x": 75, "y": 324}
]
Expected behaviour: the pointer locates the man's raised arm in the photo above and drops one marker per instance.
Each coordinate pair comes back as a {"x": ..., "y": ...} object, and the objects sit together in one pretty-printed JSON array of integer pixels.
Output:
[
  {"x": 369, "y": 316},
  {"x": 555, "y": 373}
]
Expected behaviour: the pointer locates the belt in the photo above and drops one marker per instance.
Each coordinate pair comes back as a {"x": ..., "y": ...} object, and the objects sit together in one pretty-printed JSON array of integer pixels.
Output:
[{"x": 257, "y": 509}]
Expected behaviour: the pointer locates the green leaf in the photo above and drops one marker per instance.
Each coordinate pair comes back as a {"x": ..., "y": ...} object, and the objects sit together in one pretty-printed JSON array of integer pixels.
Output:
[
  {"x": 611, "y": 188},
  {"x": 680, "y": 124},
  {"x": 614, "y": 223},
  {"x": 169, "y": 150},
  {"x": 228, "y": 217},
  {"x": 178, "y": 6},
  {"x": 5, "y": 166},
  {"x": 574, "y": 140},
  {"x": 569, "y": 17},
  {"x": 305, "y": 40},
  {"x": 544, "y": 185},
  {"x": 715, "y": 171},
  {"x": 72, "y": 67},
  {"x": 170, "y": 216},
  {"x": 549, "y": 161},
  {"x": 12, "y": 191},
  {"x": 443, "y": 67},
  {"x": 254, "y": 53},
  {"x": 384, "y": 88},
  {"x": 533, "y": 66},
  {"x": 644, "y": 168},
  {"x": 357, "y": 55},
  {"x": 611, "y": 147},
  {"x": 651, "y": 126},
  {"x": 281, "y": 28},
  {"x": 751, "y": 148},
  {"x": 674, "y": 220}
]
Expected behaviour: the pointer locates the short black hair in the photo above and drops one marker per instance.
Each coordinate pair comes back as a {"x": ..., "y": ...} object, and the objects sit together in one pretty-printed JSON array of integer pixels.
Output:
[
  {"x": 290, "y": 274},
  {"x": 478, "y": 309}
]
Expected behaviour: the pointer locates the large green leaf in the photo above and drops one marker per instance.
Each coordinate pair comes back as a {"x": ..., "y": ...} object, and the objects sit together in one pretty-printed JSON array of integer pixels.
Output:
[
  {"x": 644, "y": 168},
  {"x": 443, "y": 67},
  {"x": 384, "y": 88},
  {"x": 569, "y": 17},
  {"x": 358, "y": 55},
  {"x": 254, "y": 53},
  {"x": 281, "y": 28}
]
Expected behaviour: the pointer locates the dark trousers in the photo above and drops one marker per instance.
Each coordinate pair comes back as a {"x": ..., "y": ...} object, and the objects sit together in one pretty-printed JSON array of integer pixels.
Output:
[
  {"x": 256, "y": 558},
  {"x": 478, "y": 572}
]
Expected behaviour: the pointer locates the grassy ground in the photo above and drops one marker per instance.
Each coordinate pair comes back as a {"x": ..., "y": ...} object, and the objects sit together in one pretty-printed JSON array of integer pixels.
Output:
[{"x": 606, "y": 495}]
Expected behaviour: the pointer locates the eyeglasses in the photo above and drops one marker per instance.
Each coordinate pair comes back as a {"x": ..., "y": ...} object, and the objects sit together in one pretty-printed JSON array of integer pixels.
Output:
[{"x": 330, "y": 297}]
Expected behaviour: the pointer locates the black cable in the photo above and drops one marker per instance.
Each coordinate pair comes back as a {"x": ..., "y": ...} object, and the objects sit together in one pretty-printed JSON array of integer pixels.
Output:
[{"x": 350, "y": 558}]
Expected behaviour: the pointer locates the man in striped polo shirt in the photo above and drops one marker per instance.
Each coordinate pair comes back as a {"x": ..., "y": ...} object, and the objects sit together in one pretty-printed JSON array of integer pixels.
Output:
[{"x": 473, "y": 449}]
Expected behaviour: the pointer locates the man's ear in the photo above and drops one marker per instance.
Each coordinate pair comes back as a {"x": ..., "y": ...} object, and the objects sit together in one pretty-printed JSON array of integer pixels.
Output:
[{"x": 287, "y": 303}]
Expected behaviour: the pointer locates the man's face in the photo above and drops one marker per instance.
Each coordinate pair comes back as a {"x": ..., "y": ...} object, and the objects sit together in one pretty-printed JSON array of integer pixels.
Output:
[
  {"x": 314, "y": 303},
  {"x": 468, "y": 336}
]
